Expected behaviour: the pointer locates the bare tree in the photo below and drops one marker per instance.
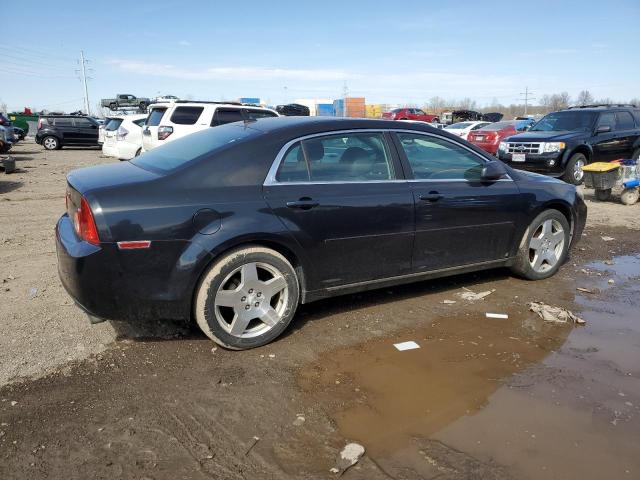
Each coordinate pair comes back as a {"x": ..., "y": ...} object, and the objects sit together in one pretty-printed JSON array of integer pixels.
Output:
[
  {"x": 635, "y": 101},
  {"x": 3, "y": 107},
  {"x": 437, "y": 104},
  {"x": 466, "y": 104},
  {"x": 584, "y": 98}
]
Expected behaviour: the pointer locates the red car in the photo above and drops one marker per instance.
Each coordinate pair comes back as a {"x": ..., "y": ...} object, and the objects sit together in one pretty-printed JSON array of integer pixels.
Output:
[
  {"x": 488, "y": 138},
  {"x": 410, "y": 114}
]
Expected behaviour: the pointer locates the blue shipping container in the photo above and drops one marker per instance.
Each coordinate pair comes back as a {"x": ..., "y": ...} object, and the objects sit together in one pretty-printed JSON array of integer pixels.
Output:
[
  {"x": 324, "y": 110},
  {"x": 249, "y": 100},
  {"x": 338, "y": 107}
]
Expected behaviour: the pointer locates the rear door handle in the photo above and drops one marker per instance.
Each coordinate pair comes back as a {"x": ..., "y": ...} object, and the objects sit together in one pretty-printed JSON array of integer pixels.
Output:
[
  {"x": 430, "y": 197},
  {"x": 303, "y": 204}
]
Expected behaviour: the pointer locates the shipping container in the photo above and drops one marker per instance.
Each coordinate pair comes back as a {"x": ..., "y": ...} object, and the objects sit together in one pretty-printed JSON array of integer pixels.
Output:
[
  {"x": 253, "y": 100},
  {"x": 325, "y": 110}
]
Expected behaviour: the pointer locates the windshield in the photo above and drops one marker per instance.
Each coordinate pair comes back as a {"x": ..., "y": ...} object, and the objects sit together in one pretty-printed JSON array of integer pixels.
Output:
[
  {"x": 192, "y": 147},
  {"x": 459, "y": 126},
  {"x": 565, "y": 121}
]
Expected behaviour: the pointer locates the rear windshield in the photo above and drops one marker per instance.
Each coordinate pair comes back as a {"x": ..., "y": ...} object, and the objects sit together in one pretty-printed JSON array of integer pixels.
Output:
[
  {"x": 155, "y": 117},
  {"x": 113, "y": 124},
  {"x": 175, "y": 154},
  {"x": 494, "y": 127},
  {"x": 251, "y": 114}
]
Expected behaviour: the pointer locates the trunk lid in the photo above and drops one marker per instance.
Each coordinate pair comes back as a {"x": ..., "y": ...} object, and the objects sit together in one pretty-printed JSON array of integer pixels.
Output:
[{"x": 90, "y": 179}]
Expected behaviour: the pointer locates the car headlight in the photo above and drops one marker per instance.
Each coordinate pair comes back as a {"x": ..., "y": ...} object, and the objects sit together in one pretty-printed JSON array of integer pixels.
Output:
[
  {"x": 503, "y": 146},
  {"x": 550, "y": 147}
]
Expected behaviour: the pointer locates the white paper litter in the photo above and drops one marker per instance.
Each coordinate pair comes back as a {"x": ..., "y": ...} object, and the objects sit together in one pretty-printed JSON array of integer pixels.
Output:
[
  {"x": 497, "y": 315},
  {"x": 555, "y": 314},
  {"x": 472, "y": 296},
  {"x": 406, "y": 345}
]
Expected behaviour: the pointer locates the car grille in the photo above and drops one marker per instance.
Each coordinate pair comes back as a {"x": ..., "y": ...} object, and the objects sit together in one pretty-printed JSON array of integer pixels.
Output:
[{"x": 523, "y": 147}]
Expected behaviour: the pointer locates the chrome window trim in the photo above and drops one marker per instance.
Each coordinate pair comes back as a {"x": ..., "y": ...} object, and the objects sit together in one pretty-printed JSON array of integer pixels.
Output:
[{"x": 270, "y": 180}]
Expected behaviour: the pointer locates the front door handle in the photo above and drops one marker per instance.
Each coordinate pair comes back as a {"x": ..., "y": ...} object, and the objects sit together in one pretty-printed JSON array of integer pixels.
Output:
[
  {"x": 430, "y": 197},
  {"x": 305, "y": 203}
]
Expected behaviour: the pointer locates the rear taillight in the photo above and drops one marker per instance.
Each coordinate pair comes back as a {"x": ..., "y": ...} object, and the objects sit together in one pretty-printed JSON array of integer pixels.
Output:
[
  {"x": 121, "y": 133},
  {"x": 84, "y": 223},
  {"x": 164, "y": 132}
]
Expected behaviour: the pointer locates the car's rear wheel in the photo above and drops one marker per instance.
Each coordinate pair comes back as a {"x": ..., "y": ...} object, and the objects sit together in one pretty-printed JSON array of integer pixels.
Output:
[
  {"x": 50, "y": 143},
  {"x": 629, "y": 196},
  {"x": 544, "y": 247},
  {"x": 113, "y": 107},
  {"x": 143, "y": 107},
  {"x": 247, "y": 298},
  {"x": 574, "y": 173}
]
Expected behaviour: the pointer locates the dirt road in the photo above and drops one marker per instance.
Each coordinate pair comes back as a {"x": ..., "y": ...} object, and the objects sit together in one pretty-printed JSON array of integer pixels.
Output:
[{"x": 482, "y": 398}]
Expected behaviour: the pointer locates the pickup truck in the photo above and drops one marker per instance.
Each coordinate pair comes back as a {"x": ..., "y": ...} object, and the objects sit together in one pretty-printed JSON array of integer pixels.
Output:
[{"x": 124, "y": 100}]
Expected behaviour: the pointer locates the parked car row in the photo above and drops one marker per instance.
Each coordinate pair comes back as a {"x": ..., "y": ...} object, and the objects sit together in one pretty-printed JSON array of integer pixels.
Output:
[{"x": 9, "y": 134}]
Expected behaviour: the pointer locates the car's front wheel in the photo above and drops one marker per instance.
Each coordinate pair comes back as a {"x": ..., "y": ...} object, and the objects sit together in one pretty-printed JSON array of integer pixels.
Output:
[
  {"x": 574, "y": 173},
  {"x": 247, "y": 298},
  {"x": 50, "y": 143},
  {"x": 544, "y": 247}
]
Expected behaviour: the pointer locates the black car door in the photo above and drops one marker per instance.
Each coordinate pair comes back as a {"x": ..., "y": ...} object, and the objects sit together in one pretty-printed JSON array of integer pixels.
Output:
[
  {"x": 86, "y": 131},
  {"x": 626, "y": 134},
  {"x": 343, "y": 198},
  {"x": 460, "y": 219},
  {"x": 66, "y": 129},
  {"x": 606, "y": 145}
]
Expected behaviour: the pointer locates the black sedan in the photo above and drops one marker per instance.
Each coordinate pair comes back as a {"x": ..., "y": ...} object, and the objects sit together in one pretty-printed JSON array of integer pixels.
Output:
[{"x": 236, "y": 225}]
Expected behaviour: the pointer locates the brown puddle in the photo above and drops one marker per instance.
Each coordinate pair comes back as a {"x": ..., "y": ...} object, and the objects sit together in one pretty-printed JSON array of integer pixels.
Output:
[{"x": 383, "y": 397}]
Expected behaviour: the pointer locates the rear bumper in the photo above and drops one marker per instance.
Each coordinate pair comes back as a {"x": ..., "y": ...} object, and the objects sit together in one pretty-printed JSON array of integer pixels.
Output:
[
  {"x": 491, "y": 148},
  {"x": 125, "y": 285}
]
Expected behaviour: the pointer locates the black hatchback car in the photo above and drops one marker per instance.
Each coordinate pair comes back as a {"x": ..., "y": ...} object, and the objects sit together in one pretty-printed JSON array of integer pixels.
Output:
[
  {"x": 237, "y": 225},
  {"x": 56, "y": 131},
  {"x": 563, "y": 142}
]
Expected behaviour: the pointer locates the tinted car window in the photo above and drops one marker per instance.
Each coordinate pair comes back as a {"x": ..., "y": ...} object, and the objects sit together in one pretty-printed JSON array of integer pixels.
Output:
[
  {"x": 186, "y": 115},
  {"x": 293, "y": 167},
  {"x": 113, "y": 124},
  {"x": 357, "y": 157},
  {"x": 434, "y": 158},
  {"x": 251, "y": 114},
  {"x": 63, "y": 122},
  {"x": 624, "y": 121},
  {"x": 495, "y": 127},
  {"x": 154, "y": 118},
  {"x": 193, "y": 147},
  {"x": 226, "y": 115},
  {"x": 607, "y": 120},
  {"x": 83, "y": 122},
  {"x": 140, "y": 122}
]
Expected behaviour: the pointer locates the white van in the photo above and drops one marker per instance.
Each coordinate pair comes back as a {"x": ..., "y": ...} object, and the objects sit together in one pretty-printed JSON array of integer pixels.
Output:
[{"x": 166, "y": 122}]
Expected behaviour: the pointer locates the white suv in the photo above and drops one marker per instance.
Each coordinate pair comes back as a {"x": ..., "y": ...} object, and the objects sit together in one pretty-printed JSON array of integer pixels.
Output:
[{"x": 166, "y": 122}]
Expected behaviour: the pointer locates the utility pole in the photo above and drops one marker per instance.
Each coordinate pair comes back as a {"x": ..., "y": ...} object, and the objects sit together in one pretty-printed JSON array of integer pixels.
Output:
[
  {"x": 527, "y": 96},
  {"x": 84, "y": 82}
]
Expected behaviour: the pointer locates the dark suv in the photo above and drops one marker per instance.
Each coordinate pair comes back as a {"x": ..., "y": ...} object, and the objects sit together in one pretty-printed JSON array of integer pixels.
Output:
[
  {"x": 56, "y": 131},
  {"x": 563, "y": 142}
]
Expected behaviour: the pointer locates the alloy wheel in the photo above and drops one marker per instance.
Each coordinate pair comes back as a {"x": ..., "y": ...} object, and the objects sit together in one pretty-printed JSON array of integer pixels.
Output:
[
  {"x": 578, "y": 171},
  {"x": 251, "y": 300},
  {"x": 546, "y": 246},
  {"x": 50, "y": 143}
]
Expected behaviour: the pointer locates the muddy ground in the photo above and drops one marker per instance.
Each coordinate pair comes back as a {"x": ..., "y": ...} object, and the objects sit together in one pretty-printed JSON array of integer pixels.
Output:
[{"x": 482, "y": 398}]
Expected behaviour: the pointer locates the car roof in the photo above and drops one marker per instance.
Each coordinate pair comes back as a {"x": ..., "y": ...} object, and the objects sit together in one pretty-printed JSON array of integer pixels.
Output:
[
  {"x": 310, "y": 125},
  {"x": 199, "y": 103}
]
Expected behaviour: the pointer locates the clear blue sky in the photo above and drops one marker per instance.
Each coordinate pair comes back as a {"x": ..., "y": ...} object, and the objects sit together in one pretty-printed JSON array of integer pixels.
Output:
[{"x": 389, "y": 52}]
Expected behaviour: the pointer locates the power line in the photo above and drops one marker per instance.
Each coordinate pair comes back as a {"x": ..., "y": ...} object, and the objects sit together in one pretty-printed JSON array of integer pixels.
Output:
[
  {"x": 16, "y": 70},
  {"x": 38, "y": 53},
  {"x": 36, "y": 63}
]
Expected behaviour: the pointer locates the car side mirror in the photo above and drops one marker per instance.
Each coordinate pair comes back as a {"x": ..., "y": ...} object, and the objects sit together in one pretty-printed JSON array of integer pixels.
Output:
[
  {"x": 603, "y": 129},
  {"x": 493, "y": 170}
]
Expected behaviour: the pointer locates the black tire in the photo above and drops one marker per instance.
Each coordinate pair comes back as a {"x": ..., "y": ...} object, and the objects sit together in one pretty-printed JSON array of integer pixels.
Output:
[
  {"x": 211, "y": 317},
  {"x": 522, "y": 265},
  {"x": 629, "y": 196},
  {"x": 113, "y": 107},
  {"x": 570, "y": 174},
  {"x": 51, "y": 143},
  {"x": 143, "y": 107},
  {"x": 636, "y": 154},
  {"x": 603, "y": 195},
  {"x": 139, "y": 152}
]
